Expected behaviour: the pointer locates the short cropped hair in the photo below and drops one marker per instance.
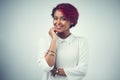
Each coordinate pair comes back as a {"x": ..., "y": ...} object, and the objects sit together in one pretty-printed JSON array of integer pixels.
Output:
[{"x": 69, "y": 11}]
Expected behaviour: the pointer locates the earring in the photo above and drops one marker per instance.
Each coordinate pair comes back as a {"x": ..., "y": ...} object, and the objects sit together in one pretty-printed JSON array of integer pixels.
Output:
[{"x": 71, "y": 23}]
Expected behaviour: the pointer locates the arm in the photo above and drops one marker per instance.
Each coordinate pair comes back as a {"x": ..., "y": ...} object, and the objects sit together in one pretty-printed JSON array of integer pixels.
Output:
[
  {"x": 47, "y": 59},
  {"x": 80, "y": 70},
  {"x": 50, "y": 58}
]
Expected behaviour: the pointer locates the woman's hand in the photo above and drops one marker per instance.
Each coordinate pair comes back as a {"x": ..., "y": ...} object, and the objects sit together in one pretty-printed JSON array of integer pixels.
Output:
[
  {"x": 52, "y": 33},
  {"x": 57, "y": 71},
  {"x": 53, "y": 72}
]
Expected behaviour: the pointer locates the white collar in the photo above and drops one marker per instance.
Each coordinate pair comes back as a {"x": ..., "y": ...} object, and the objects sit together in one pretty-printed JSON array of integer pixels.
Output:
[{"x": 68, "y": 39}]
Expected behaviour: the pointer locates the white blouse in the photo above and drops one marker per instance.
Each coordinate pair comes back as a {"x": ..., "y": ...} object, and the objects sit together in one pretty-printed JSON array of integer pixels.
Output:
[{"x": 71, "y": 55}]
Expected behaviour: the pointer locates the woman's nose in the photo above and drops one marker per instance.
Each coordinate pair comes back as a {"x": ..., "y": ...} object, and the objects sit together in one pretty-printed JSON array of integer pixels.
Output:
[{"x": 58, "y": 21}]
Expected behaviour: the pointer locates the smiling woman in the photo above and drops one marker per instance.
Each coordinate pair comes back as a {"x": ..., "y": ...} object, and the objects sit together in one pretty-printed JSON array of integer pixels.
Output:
[
  {"x": 61, "y": 24},
  {"x": 64, "y": 56},
  {"x": 69, "y": 12}
]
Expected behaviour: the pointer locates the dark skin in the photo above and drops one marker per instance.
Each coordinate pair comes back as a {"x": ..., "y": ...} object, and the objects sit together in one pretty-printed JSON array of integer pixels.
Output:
[
  {"x": 60, "y": 72},
  {"x": 62, "y": 29}
]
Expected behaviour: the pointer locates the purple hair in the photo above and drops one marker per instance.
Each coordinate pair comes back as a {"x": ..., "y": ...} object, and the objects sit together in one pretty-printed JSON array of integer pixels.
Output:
[{"x": 69, "y": 11}]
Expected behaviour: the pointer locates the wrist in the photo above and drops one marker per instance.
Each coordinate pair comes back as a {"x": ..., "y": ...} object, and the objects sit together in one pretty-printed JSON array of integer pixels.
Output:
[
  {"x": 61, "y": 72},
  {"x": 52, "y": 53},
  {"x": 54, "y": 39}
]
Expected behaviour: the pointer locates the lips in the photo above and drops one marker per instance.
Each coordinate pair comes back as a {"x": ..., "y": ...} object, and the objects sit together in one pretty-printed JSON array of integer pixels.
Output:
[{"x": 58, "y": 26}]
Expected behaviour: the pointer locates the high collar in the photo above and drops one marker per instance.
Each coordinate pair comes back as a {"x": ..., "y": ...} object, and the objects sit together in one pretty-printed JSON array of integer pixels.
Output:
[{"x": 68, "y": 39}]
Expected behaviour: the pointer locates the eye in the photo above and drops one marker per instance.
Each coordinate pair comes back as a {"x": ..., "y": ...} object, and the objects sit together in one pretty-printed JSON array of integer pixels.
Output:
[
  {"x": 55, "y": 18},
  {"x": 63, "y": 18}
]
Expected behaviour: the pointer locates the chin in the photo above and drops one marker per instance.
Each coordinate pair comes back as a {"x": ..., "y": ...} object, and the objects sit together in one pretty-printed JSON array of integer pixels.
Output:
[{"x": 58, "y": 30}]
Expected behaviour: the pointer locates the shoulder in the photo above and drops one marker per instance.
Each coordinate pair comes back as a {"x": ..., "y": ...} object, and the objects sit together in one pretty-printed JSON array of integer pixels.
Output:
[{"x": 80, "y": 38}]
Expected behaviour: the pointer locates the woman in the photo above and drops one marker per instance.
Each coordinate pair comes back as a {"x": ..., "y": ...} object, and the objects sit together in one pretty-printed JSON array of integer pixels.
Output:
[{"x": 64, "y": 56}]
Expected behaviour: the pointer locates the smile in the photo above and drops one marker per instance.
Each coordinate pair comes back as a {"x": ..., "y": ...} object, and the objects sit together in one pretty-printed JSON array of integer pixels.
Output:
[{"x": 58, "y": 27}]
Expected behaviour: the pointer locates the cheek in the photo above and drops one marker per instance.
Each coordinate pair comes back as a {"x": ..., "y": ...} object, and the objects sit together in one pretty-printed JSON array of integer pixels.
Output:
[
  {"x": 64, "y": 23},
  {"x": 53, "y": 22},
  {"x": 67, "y": 24}
]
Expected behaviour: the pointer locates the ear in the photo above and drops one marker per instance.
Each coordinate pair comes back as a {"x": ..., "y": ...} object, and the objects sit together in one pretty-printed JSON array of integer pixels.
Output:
[{"x": 71, "y": 23}]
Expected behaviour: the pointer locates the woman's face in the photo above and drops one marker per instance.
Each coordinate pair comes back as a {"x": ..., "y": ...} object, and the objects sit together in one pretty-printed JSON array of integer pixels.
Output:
[{"x": 61, "y": 24}]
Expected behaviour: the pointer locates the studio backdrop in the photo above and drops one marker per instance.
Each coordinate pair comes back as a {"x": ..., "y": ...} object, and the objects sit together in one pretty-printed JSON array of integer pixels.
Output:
[{"x": 23, "y": 22}]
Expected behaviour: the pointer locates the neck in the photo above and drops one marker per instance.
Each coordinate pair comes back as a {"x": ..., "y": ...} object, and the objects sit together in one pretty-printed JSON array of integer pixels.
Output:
[{"x": 64, "y": 35}]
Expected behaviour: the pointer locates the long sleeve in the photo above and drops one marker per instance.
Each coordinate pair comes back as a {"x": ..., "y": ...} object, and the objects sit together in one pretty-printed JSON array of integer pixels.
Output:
[
  {"x": 79, "y": 72},
  {"x": 43, "y": 45}
]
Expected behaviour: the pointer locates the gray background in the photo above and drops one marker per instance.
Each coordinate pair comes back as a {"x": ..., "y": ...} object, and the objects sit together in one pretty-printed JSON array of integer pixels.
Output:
[{"x": 23, "y": 22}]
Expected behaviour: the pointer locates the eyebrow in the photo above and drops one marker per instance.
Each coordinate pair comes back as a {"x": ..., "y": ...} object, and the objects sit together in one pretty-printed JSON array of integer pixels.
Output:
[{"x": 60, "y": 17}]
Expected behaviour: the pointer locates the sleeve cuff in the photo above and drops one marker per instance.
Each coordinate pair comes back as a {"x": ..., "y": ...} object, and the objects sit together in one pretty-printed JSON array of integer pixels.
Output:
[{"x": 74, "y": 74}]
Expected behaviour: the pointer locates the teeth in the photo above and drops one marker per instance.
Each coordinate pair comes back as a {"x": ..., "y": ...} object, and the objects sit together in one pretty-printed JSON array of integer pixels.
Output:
[{"x": 58, "y": 26}]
